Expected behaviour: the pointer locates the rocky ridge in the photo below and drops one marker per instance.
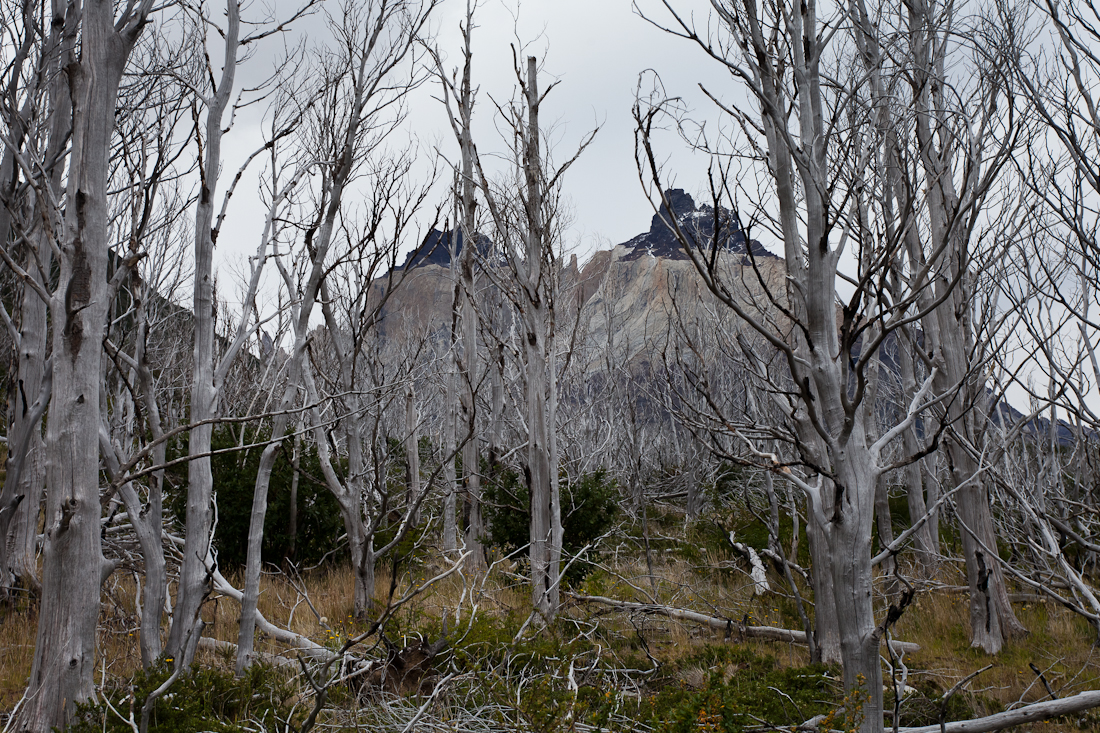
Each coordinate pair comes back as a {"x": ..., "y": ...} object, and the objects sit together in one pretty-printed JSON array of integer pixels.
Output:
[{"x": 630, "y": 291}]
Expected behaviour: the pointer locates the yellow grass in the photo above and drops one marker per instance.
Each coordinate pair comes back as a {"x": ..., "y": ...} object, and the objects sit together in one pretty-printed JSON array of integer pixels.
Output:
[{"x": 1060, "y": 643}]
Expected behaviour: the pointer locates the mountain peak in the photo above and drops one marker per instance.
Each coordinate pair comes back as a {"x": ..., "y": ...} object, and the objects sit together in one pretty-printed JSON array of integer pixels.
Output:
[
  {"x": 695, "y": 222},
  {"x": 436, "y": 248},
  {"x": 681, "y": 203}
]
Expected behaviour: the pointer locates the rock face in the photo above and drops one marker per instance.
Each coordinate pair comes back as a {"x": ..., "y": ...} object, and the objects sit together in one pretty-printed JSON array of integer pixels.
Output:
[
  {"x": 630, "y": 293},
  {"x": 636, "y": 294},
  {"x": 421, "y": 305},
  {"x": 436, "y": 249},
  {"x": 695, "y": 222}
]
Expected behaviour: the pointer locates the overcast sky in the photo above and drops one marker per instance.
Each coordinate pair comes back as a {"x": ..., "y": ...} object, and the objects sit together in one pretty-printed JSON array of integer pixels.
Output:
[{"x": 595, "y": 50}]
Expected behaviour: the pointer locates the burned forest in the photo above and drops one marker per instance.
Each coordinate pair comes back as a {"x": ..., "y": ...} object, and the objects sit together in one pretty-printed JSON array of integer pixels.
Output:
[{"x": 339, "y": 398}]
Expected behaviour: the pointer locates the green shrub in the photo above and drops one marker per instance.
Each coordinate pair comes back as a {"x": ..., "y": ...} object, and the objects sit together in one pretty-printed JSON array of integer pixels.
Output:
[
  {"x": 200, "y": 700},
  {"x": 588, "y": 507},
  {"x": 319, "y": 521},
  {"x": 742, "y": 690}
]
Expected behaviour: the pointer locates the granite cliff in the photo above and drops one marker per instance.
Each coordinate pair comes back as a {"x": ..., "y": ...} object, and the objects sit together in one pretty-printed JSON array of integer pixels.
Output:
[{"x": 630, "y": 292}]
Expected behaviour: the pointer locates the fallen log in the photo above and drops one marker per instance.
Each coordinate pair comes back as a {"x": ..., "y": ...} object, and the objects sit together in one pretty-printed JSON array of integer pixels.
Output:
[
  {"x": 728, "y": 625},
  {"x": 1026, "y": 714}
]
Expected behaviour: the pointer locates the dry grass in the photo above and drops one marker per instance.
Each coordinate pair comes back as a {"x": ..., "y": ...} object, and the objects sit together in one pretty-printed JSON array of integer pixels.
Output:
[
  {"x": 17, "y": 632},
  {"x": 1060, "y": 643}
]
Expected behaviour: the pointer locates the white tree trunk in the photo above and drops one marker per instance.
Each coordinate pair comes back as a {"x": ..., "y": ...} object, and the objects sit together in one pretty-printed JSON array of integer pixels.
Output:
[
  {"x": 544, "y": 571},
  {"x": 412, "y": 454},
  {"x": 949, "y": 331},
  {"x": 26, "y": 468},
  {"x": 194, "y": 579},
  {"x": 343, "y": 168},
  {"x": 450, "y": 489},
  {"x": 73, "y": 566}
]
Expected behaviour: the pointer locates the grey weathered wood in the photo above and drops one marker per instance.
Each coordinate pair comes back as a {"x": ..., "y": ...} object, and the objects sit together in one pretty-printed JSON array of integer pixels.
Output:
[
  {"x": 412, "y": 453},
  {"x": 545, "y": 512},
  {"x": 25, "y": 481},
  {"x": 73, "y": 566},
  {"x": 1010, "y": 718},
  {"x": 193, "y": 584},
  {"x": 719, "y": 623}
]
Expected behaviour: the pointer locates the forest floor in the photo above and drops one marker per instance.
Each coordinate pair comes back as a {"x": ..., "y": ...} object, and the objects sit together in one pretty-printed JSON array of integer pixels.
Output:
[{"x": 596, "y": 667}]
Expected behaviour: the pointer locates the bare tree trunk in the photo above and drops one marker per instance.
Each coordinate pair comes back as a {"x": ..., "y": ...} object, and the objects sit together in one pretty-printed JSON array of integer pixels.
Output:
[
  {"x": 247, "y": 629},
  {"x": 925, "y": 539},
  {"x": 25, "y": 479},
  {"x": 349, "y": 496},
  {"x": 951, "y": 333},
  {"x": 556, "y": 530},
  {"x": 343, "y": 167},
  {"x": 26, "y": 466},
  {"x": 992, "y": 619},
  {"x": 22, "y": 534},
  {"x": 412, "y": 454},
  {"x": 450, "y": 530},
  {"x": 292, "y": 521},
  {"x": 534, "y": 310},
  {"x": 152, "y": 516},
  {"x": 884, "y": 524},
  {"x": 496, "y": 420},
  {"x": 73, "y": 566},
  {"x": 471, "y": 470},
  {"x": 826, "y": 624},
  {"x": 194, "y": 580},
  {"x": 465, "y": 293}
]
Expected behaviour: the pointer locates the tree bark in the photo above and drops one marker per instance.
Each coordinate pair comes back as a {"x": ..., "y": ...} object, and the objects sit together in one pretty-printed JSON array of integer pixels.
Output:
[
  {"x": 73, "y": 566},
  {"x": 450, "y": 488},
  {"x": 544, "y": 572},
  {"x": 719, "y": 623},
  {"x": 292, "y": 520},
  {"x": 194, "y": 579},
  {"x": 1011, "y": 718},
  {"x": 26, "y": 475},
  {"x": 412, "y": 455},
  {"x": 950, "y": 335},
  {"x": 342, "y": 169}
]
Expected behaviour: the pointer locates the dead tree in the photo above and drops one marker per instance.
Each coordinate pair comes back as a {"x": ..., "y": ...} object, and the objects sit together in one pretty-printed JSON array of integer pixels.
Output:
[
  {"x": 73, "y": 564},
  {"x": 209, "y": 373},
  {"x": 348, "y": 128},
  {"x": 35, "y": 149},
  {"x": 467, "y": 360},
  {"x": 525, "y": 238},
  {"x": 818, "y": 149}
]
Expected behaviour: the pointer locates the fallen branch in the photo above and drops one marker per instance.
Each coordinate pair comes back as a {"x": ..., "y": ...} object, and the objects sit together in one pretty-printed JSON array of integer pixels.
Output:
[
  {"x": 1027, "y": 714},
  {"x": 756, "y": 568},
  {"x": 304, "y": 644},
  {"x": 771, "y": 633},
  {"x": 227, "y": 647}
]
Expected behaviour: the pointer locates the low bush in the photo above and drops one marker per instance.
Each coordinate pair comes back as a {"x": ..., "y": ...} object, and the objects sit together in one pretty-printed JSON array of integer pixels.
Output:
[
  {"x": 200, "y": 700},
  {"x": 728, "y": 689},
  {"x": 589, "y": 506}
]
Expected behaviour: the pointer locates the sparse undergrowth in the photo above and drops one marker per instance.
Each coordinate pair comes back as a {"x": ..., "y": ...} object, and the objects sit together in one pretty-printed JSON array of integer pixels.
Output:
[
  {"x": 208, "y": 699},
  {"x": 592, "y": 669}
]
